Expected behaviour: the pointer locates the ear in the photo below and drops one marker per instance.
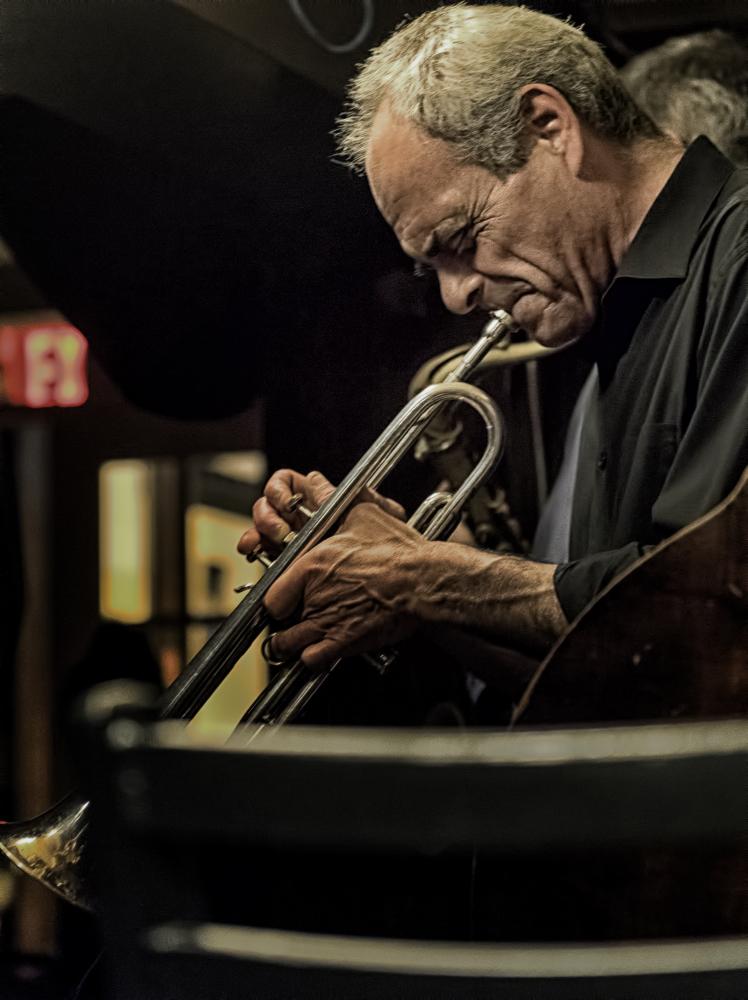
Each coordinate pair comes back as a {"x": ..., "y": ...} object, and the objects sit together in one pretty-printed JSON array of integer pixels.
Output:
[{"x": 551, "y": 121}]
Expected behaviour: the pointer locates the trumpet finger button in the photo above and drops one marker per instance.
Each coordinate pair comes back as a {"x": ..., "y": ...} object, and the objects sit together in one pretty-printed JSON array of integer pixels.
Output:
[
  {"x": 258, "y": 554},
  {"x": 294, "y": 502},
  {"x": 295, "y": 505}
]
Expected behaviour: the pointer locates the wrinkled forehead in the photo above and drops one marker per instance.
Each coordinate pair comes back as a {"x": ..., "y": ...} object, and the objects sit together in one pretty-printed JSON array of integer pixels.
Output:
[{"x": 406, "y": 167}]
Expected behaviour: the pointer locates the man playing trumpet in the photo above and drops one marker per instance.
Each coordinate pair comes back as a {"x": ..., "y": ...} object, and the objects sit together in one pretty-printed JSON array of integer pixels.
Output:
[{"x": 502, "y": 149}]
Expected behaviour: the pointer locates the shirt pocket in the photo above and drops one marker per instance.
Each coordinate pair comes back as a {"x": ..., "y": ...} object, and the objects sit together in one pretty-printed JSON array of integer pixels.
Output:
[{"x": 647, "y": 457}]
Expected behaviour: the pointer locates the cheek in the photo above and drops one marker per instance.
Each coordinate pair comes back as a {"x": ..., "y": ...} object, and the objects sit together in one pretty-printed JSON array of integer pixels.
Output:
[
  {"x": 562, "y": 322},
  {"x": 490, "y": 257},
  {"x": 523, "y": 258}
]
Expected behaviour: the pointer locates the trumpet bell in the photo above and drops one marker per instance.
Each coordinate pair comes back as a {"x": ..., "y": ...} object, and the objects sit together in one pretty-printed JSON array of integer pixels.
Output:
[{"x": 50, "y": 848}]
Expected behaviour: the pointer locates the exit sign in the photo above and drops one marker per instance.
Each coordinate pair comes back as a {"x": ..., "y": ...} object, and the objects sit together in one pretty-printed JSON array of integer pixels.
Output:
[{"x": 43, "y": 363}]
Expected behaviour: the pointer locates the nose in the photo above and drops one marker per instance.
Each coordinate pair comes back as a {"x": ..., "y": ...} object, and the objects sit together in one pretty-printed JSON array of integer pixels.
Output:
[{"x": 460, "y": 289}]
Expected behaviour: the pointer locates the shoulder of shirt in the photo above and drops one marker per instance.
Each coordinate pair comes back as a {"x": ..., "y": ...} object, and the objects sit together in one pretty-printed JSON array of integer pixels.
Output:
[
  {"x": 725, "y": 226},
  {"x": 725, "y": 235}
]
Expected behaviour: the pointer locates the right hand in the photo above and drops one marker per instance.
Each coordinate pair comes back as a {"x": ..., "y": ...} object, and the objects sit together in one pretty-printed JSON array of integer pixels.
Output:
[{"x": 272, "y": 520}]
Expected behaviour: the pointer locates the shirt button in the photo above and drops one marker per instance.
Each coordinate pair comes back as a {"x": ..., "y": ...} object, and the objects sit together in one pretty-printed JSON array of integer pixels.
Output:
[{"x": 602, "y": 461}]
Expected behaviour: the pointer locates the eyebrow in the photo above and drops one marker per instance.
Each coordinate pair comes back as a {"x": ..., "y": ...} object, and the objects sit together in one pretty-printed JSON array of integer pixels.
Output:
[
  {"x": 429, "y": 249},
  {"x": 440, "y": 236}
]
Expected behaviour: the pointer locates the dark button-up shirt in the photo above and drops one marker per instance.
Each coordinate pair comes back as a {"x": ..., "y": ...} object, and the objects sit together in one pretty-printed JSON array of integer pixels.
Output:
[{"x": 665, "y": 436}]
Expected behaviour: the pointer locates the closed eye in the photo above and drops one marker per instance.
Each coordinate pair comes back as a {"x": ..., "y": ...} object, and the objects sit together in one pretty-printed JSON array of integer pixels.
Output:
[
  {"x": 460, "y": 242},
  {"x": 463, "y": 241}
]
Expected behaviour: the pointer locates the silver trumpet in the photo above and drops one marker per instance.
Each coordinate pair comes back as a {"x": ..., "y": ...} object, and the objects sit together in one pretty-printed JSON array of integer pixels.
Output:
[
  {"x": 445, "y": 447},
  {"x": 52, "y": 847}
]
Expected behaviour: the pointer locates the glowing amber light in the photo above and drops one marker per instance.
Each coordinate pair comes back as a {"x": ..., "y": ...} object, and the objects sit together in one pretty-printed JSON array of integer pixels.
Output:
[
  {"x": 43, "y": 364},
  {"x": 125, "y": 541},
  {"x": 214, "y": 568}
]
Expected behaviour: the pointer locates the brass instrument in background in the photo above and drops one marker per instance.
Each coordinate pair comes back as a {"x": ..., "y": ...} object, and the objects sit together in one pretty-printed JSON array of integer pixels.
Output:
[{"x": 52, "y": 846}]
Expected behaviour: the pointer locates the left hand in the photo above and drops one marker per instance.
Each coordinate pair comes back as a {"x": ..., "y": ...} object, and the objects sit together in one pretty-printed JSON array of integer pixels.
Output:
[
  {"x": 356, "y": 590},
  {"x": 272, "y": 518}
]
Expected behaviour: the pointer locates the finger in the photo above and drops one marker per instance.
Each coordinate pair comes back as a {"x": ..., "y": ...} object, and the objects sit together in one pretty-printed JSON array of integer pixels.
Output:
[
  {"x": 370, "y": 521},
  {"x": 281, "y": 486},
  {"x": 286, "y": 593},
  {"x": 249, "y": 541},
  {"x": 308, "y": 642},
  {"x": 386, "y": 504},
  {"x": 291, "y": 643},
  {"x": 391, "y": 507},
  {"x": 320, "y": 654},
  {"x": 268, "y": 522},
  {"x": 318, "y": 488}
]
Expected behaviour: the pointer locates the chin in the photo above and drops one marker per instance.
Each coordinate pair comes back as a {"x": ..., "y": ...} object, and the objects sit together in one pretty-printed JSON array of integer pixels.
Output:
[{"x": 555, "y": 325}]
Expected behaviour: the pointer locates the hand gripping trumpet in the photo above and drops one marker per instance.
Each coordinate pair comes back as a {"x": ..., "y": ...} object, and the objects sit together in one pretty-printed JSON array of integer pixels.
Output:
[{"x": 52, "y": 846}]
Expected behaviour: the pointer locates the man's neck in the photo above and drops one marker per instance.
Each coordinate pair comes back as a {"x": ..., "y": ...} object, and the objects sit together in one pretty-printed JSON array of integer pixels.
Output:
[{"x": 642, "y": 172}]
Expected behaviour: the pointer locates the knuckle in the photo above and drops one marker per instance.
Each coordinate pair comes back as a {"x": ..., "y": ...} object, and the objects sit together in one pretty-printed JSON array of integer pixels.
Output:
[
  {"x": 279, "y": 486},
  {"x": 319, "y": 484},
  {"x": 274, "y": 494},
  {"x": 268, "y": 521},
  {"x": 275, "y": 606},
  {"x": 265, "y": 509},
  {"x": 282, "y": 477}
]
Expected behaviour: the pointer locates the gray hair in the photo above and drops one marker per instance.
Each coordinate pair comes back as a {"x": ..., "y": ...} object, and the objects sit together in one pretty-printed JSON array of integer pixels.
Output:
[
  {"x": 456, "y": 72},
  {"x": 696, "y": 85}
]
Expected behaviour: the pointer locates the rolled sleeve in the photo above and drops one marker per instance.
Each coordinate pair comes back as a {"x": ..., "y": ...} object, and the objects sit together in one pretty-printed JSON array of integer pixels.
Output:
[{"x": 579, "y": 581}]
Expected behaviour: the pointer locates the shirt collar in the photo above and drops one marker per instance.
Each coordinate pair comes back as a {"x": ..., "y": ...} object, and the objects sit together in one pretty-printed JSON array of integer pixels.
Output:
[{"x": 664, "y": 241}]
